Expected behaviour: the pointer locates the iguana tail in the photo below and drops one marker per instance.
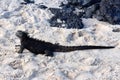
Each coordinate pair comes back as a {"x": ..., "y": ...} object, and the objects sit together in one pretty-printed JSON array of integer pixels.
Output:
[{"x": 73, "y": 48}]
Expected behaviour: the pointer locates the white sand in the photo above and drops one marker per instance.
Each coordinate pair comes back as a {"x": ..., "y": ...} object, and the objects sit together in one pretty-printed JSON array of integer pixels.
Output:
[{"x": 76, "y": 65}]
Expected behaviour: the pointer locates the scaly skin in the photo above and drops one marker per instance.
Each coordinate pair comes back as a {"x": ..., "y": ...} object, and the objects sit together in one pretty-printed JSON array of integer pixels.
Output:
[{"x": 41, "y": 47}]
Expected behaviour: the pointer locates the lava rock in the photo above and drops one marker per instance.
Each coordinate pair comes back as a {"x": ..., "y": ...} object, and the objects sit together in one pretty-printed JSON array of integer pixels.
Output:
[
  {"x": 65, "y": 18},
  {"x": 28, "y": 2},
  {"x": 110, "y": 10},
  {"x": 90, "y": 3},
  {"x": 42, "y": 7},
  {"x": 90, "y": 8},
  {"x": 103, "y": 10}
]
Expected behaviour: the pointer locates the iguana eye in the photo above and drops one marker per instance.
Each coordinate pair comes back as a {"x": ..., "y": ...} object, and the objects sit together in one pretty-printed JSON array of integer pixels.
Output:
[{"x": 18, "y": 34}]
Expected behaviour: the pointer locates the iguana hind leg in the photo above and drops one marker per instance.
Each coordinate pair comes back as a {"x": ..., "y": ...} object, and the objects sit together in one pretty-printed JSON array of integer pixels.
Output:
[{"x": 49, "y": 53}]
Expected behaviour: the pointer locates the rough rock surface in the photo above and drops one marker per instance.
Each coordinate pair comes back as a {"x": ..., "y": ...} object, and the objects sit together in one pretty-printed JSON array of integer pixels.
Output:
[
  {"x": 65, "y": 17},
  {"x": 70, "y": 14},
  {"x": 110, "y": 11},
  {"x": 103, "y": 10}
]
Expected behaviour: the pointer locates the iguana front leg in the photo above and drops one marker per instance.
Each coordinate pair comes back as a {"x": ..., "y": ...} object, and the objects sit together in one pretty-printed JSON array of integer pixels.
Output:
[{"x": 21, "y": 49}]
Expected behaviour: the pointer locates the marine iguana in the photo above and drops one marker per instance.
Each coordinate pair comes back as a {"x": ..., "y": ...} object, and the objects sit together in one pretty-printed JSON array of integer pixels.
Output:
[{"x": 41, "y": 47}]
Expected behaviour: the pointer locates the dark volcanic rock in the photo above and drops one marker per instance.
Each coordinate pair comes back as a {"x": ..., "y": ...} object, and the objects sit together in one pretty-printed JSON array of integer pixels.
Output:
[
  {"x": 42, "y": 6},
  {"x": 91, "y": 8},
  {"x": 103, "y": 10},
  {"x": 90, "y": 3},
  {"x": 28, "y": 2},
  {"x": 110, "y": 10},
  {"x": 65, "y": 18}
]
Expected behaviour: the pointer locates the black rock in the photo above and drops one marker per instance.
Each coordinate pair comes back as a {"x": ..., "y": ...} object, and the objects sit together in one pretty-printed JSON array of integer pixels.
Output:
[
  {"x": 90, "y": 3},
  {"x": 68, "y": 19},
  {"x": 67, "y": 16},
  {"x": 28, "y": 2},
  {"x": 103, "y": 10},
  {"x": 110, "y": 10},
  {"x": 42, "y": 7}
]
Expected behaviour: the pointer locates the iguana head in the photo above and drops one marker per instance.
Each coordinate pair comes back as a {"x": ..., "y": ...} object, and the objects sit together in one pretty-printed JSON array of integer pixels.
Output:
[{"x": 21, "y": 34}]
